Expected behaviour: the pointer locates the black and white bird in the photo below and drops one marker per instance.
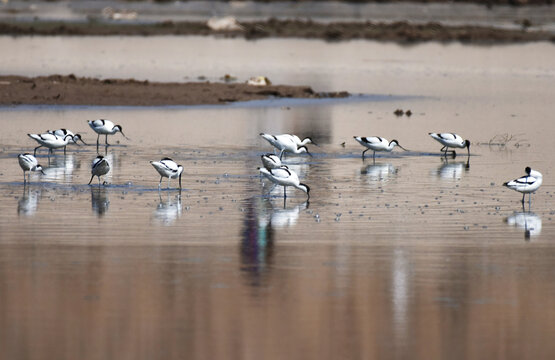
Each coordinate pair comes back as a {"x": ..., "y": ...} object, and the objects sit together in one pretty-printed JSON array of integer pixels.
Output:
[
  {"x": 63, "y": 132},
  {"x": 270, "y": 161},
  {"x": 526, "y": 184},
  {"x": 51, "y": 141},
  {"x": 100, "y": 167},
  {"x": 105, "y": 127},
  {"x": 287, "y": 143},
  {"x": 169, "y": 169},
  {"x": 451, "y": 140},
  {"x": 376, "y": 143},
  {"x": 285, "y": 177},
  {"x": 28, "y": 163}
]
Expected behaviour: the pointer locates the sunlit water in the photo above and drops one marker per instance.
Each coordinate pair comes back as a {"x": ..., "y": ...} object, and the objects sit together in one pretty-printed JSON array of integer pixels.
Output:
[{"x": 410, "y": 256}]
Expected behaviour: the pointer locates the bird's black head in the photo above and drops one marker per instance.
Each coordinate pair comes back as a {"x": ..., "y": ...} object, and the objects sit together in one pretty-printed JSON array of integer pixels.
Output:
[
  {"x": 467, "y": 144},
  {"x": 304, "y": 149},
  {"x": 528, "y": 170},
  {"x": 310, "y": 141}
]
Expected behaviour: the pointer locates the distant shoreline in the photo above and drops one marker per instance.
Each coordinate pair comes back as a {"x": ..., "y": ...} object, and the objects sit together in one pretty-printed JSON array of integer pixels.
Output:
[
  {"x": 399, "y": 32},
  {"x": 72, "y": 90}
]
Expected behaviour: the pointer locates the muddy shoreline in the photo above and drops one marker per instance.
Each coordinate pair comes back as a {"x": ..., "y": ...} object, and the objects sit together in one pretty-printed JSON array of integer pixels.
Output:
[
  {"x": 72, "y": 90},
  {"x": 401, "y": 32}
]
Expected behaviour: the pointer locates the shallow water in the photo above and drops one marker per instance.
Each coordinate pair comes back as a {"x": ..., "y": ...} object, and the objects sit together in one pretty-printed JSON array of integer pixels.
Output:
[{"x": 410, "y": 256}]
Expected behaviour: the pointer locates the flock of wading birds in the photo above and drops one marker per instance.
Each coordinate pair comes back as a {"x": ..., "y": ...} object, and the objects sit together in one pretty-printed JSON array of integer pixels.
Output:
[{"x": 273, "y": 168}]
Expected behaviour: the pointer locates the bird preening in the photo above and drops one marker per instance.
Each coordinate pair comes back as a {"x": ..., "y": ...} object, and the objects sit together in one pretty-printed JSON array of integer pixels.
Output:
[
  {"x": 526, "y": 184},
  {"x": 100, "y": 166}
]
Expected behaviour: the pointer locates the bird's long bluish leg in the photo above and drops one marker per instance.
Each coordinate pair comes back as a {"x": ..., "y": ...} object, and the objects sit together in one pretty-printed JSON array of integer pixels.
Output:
[
  {"x": 374, "y": 156},
  {"x": 160, "y": 183},
  {"x": 364, "y": 152},
  {"x": 35, "y": 152},
  {"x": 65, "y": 150},
  {"x": 285, "y": 192},
  {"x": 523, "y": 195},
  {"x": 169, "y": 179},
  {"x": 98, "y": 181},
  {"x": 443, "y": 148},
  {"x": 24, "y": 178},
  {"x": 97, "y": 140},
  {"x": 107, "y": 140},
  {"x": 90, "y": 180}
]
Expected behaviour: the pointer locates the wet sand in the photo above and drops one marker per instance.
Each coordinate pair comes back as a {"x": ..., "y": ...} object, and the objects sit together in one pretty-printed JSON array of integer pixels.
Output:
[
  {"x": 72, "y": 90},
  {"x": 400, "y": 31}
]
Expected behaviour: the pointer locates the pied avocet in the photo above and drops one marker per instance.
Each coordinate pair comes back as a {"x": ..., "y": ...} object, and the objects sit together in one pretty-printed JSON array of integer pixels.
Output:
[
  {"x": 28, "y": 163},
  {"x": 286, "y": 143},
  {"x": 105, "y": 127},
  {"x": 526, "y": 184},
  {"x": 376, "y": 143},
  {"x": 63, "y": 132},
  {"x": 50, "y": 141},
  {"x": 100, "y": 166},
  {"x": 168, "y": 168},
  {"x": 451, "y": 140},
  {"x": 285, "y": 177}
]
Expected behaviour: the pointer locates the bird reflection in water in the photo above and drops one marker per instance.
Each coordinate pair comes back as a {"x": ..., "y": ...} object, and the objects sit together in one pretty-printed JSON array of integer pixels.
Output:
[
  {"x": 61, "y": 168},
  {"x": 99, "y": 200},
  {"x": 379, "y": 172},
  {"x": 28, "y": 203},
  {"x": 257, "y": 245},
  {"x": 169, "y": 210},
  {"x": 530, "y": 222},
  {"x": 452, "y": 170}
]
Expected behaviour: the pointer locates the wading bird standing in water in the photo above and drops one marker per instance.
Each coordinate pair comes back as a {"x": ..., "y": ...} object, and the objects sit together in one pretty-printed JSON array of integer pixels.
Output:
[
  {"x": 105, "y": 127},
  {"x": 526, "y": 184},
  {"x": 100, "y": 166},
  {"x": 168, "y": 168},
  {"x": 376, "y": 143},
  {"x": 28, "y": 163},
  {"x": 451, "y": 140},
  {"x": 285, "y": 177}
]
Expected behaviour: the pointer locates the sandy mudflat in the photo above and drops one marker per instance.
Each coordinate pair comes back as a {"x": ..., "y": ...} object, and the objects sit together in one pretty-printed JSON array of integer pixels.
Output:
[{"x": 71, "y": 90}]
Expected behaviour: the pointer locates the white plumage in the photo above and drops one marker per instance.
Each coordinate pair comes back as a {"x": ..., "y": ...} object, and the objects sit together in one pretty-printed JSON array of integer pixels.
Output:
[
  {"x": 28, "y": 162},
  {"x": 451, "y": 140},
  {"x": 51, "y": 141},
  {"x": 105, "y": 127},
  {"x": 285, "y": 177},
  {"x": 376, "y": 143},
  {"x": 526, "y": 184},
  {"x": 287, "y": 143},
  {"x": 169, "y": 169},
  {"x": 270, "y": 161},
  {"x": 100, "y": 167}
]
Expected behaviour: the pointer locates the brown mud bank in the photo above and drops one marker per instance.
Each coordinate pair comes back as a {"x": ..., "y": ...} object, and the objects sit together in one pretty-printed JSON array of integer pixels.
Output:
[
  {"x": 401, "y": 31},
  {"x": 72, "y": 90}
]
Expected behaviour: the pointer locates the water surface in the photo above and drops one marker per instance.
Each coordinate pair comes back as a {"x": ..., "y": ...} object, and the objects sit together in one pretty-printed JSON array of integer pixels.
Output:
[{"x": 410, "y": 256}]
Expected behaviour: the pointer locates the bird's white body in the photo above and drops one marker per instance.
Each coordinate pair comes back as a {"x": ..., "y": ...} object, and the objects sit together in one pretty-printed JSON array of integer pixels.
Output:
[
  {"x": 451, "y": 140},
  {"x": 286, "y": 143},
  {"x": 271, "y": 161},
  {"x": 100, "y": 167},
  {"x": 104, "y": 127},
  {"x": 285, "y": 177},
  {"x": 376, "y": 143},
  {"x": 51, "y": 141},
  {"x": 62, "y": 133},
  {"x": 28, "y": 162},
  {"x": 169, "y": 169},
  {"x": 527, "y": 183}
]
